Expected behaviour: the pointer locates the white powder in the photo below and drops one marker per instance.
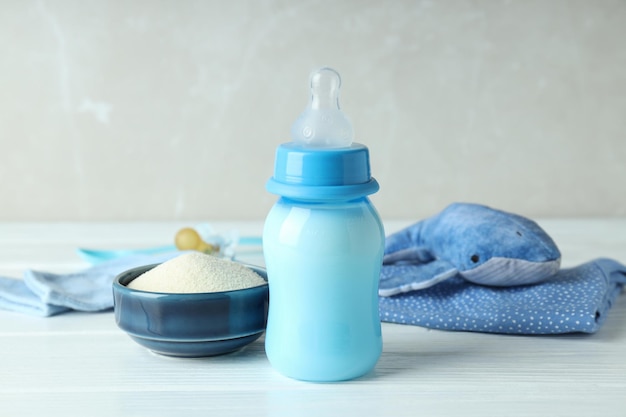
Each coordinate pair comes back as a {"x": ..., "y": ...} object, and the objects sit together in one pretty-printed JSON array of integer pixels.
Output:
[{"x": 194, "y": 273}]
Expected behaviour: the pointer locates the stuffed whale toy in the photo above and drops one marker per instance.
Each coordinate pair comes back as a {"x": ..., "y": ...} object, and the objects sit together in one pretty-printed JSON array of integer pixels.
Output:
[{"x": 483, "y": 245}]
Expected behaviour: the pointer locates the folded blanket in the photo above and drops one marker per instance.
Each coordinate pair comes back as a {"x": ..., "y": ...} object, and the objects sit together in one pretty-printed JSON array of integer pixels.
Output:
[
  {"x": 574, "y": 300},
  {"x": 48, "y": 294}
]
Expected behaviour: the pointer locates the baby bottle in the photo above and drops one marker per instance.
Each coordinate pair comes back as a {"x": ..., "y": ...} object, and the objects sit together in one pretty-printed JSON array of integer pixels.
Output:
[{"x": 323, "y": 246}]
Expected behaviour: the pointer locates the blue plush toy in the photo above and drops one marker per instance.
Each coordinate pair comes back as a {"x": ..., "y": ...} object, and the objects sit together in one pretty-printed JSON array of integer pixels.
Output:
[{"x": 481, "y": 244}]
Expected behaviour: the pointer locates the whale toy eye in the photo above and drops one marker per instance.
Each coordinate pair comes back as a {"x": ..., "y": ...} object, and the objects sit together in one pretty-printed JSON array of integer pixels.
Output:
[{"x": 475, "y": 258}]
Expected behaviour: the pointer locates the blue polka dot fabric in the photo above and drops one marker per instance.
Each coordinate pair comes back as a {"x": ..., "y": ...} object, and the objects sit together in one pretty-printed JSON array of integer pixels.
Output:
[{"x": 574, "y": 300}]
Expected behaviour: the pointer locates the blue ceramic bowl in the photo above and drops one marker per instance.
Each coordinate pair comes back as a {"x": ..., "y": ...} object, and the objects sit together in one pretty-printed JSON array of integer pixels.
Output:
[{"x": 190, "y": 325}]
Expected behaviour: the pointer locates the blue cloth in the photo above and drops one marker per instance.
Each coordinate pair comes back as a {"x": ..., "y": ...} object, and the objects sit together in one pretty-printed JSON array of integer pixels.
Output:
[
  {"x": 574, "y": 300},
  {"x": 47, "y": 294}
]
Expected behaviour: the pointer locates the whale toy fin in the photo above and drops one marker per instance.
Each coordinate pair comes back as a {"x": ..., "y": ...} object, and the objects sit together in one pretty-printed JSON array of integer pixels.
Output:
[
  {"x": 406, "y": 277},
  {"x": 415, "y": 255}
]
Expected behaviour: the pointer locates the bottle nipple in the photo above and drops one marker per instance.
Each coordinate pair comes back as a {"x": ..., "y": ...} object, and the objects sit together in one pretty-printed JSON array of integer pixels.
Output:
[{"x": 323, "y": 124}]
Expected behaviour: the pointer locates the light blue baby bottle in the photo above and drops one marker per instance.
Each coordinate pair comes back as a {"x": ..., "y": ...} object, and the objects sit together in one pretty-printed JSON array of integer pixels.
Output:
[{"x": 323, "y": 246}]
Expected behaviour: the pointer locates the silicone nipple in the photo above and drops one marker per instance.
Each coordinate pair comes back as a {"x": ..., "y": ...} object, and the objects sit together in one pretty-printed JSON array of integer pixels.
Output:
[{"x": 323, "y": 124}]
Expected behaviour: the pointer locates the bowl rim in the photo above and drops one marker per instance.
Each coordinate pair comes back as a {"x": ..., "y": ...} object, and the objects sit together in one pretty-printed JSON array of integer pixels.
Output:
[{"x": 123, "y": 288}]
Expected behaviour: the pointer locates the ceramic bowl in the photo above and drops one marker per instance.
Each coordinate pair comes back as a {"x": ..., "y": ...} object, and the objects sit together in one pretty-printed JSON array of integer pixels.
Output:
[{"x": 190, "y": 325}]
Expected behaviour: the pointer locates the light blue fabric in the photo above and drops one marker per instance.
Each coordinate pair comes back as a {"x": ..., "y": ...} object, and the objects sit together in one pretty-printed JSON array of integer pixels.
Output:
[
  {"x": 47, "y": 294},
  {"x": 573, "y": 300},
  {"x": 481, "y": 244}
]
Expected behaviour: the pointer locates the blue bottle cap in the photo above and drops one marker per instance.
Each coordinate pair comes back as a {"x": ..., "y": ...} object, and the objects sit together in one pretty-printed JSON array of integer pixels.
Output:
[{"x": 322, "y": 174}]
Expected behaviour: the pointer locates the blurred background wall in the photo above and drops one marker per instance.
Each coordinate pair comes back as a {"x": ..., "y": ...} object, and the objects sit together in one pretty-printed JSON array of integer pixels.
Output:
[{"x": 171, "y": 110}]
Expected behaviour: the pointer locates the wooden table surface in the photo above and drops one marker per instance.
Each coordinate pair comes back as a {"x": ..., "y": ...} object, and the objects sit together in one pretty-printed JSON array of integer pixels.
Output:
[{"x": 82, "y": 364}]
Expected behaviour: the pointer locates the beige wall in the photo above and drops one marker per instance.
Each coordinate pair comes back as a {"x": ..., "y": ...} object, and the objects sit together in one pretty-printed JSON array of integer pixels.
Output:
[{"x": 171, "y": 110}]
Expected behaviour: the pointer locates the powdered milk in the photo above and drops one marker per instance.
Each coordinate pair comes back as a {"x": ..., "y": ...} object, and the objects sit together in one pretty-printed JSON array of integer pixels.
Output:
[{"x": 195, "y": 273}]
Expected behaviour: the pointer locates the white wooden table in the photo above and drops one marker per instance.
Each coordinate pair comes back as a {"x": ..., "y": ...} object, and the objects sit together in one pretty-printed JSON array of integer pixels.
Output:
[{"x": 82, "y": 364}]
